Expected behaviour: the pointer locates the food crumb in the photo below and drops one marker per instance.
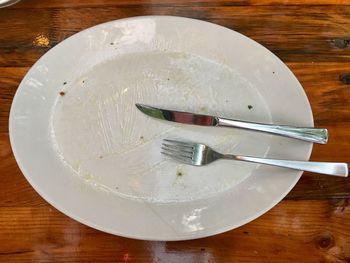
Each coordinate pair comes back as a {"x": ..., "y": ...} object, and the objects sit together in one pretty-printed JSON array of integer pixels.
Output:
[
  {"x": 64, "y": 83},
  {"x": 117, "y": 187},
  {"x": 141, "y": 137},
  {"x": 62, "y": 93},
  {"x": 179, "y": 173},
  {"x": 273, "y": 72},
  {"x": 250, "y": 107},
  {"x": 111, "y": 43},
  {"x": 168, "y": 78}
]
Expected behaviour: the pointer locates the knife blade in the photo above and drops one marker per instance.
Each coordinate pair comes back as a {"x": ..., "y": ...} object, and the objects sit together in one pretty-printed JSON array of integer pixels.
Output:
[
  {"x": 316, "y": 135},
  {"x": 178, "y": 116}
]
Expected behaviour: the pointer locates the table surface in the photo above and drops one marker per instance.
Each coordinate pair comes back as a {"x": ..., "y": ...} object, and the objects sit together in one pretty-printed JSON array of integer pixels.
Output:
[{"x": 312, "y": 224}]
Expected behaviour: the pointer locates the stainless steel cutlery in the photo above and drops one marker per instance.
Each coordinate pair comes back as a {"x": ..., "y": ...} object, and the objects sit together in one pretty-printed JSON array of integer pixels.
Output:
[
  {"x": 316, "y": 135},
  {"x": 200, "y": 154}
]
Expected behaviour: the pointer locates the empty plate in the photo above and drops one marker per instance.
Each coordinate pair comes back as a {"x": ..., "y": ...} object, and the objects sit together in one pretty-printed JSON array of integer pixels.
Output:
[{"x": 86, "y": 149}]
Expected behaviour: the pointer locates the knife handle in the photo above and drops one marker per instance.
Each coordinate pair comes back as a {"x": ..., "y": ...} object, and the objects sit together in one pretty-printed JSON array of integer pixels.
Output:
[{"x": 315, "y": 135}]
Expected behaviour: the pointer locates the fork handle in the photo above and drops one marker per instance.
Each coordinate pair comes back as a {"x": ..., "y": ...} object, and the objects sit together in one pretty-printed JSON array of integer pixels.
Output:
[
  {"x": 330, "y": 168},
  {"x": 317, "y": 135}
]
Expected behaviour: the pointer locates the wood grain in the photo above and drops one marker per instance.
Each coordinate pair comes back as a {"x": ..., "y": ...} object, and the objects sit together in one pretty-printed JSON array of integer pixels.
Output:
[
  {"x": 293, "y": 33},
  {"x": 10, "y": 79},
  {"x": 316, "y": 231},
  {"x": 328, "y": 95},
  {"x": 183, "y": 3},
  {"x": 310, "y": 225}
]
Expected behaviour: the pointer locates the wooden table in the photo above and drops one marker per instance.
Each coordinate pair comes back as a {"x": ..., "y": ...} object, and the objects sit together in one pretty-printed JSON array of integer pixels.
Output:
[{"x": 312, "y": 224}]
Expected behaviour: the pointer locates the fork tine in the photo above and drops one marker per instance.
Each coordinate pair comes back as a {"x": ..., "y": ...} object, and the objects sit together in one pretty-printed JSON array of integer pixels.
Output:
[
  {"x": 177, "y": 155},
  {"x": 180, "y": 142},
  {"x": 177, "y": 152},
  {"x": 177, "y": 158},
  {"x": 178, "y": 148}
]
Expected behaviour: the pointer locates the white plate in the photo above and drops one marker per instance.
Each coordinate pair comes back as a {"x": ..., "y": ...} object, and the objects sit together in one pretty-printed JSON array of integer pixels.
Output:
[{"x": 91, "y": 154}]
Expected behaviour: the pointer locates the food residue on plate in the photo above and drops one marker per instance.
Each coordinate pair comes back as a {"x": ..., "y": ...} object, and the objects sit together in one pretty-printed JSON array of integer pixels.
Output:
[
  {"x": 179, "y": 173},
  {"x": 250, "y": 107},
  {"x": 62, "y": 93}
]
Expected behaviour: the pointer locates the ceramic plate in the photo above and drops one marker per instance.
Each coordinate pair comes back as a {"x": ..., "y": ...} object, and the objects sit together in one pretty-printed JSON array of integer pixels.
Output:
[{"x": 84, "y": 147}]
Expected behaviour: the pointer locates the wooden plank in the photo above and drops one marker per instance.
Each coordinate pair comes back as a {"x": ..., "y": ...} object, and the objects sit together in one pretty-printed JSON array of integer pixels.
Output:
[
  {"x": 182, "y": 3},
  {"x": 16, "y": 191},
  {"x": 295, "y": 231},
  {"x": 293, "y": 33},
  {"x": 328, "y": 95},
  {"x": 9, "y": 81}
]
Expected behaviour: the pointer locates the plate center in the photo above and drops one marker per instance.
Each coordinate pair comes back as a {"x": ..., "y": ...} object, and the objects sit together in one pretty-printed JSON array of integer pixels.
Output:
[{"x": 101, "y": 135}]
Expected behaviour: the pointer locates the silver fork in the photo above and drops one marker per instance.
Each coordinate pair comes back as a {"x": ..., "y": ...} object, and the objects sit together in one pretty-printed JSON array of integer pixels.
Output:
[{"x": 200, "y": 154}]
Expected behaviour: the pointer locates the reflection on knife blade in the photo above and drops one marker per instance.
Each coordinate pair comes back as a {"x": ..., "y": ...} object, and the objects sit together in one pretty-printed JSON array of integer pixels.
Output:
[{"x": 178, "y": 116}]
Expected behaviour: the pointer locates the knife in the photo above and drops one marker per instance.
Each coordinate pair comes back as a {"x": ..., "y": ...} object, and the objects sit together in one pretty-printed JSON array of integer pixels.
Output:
[{"x": 316, "y": 135}]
